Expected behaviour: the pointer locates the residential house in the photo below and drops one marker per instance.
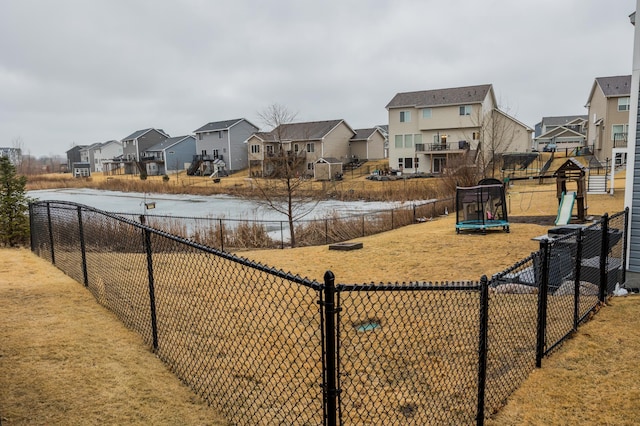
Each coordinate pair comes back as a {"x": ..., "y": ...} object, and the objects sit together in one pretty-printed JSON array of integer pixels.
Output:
[
  {"x": 73, "y": 155},
  {"x": 367, "y": 144},
  {"x": 87, "y": 155},
  {"x": 608, "y": 105},
  {"x": 566, "y": 132},
  {"x": 306, "y": 143},
  {"x": 170, "y": 156},
  {"x": 107, "y": 157},
  {"x": 384, "y": 128},
  {"x": 135, "y": 144},
  {"x": 431, "y": 128},
  {"x": 222, "y": 141},
  {"x": 13, "y": 154}
]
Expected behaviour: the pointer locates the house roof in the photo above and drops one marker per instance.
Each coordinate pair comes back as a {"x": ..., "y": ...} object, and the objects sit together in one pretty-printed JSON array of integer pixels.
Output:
[
  {"x": 364, "y": 134},
  {"x": 441, "y": 97},
  {"x": 312, "y": 130},
  {"x": 612, "y": 87},
  {"x": 139, "y": 133},
  {"x": 615, "y": 86},
  {"x": 168, "y": 143},
  {"x": 328, "y": 160},
  {"x": 221, "y": 125},
  {"x": 562, "y": 119}
]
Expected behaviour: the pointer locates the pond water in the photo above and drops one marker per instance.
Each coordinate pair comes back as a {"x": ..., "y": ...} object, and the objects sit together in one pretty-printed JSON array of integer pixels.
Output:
[{"x": 210, "y": 206}]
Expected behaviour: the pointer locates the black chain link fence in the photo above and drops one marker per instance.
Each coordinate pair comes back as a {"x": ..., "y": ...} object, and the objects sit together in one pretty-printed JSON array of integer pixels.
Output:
[
  {"x": 234, "y": 234},
  {"x": 266, "y": 347}
]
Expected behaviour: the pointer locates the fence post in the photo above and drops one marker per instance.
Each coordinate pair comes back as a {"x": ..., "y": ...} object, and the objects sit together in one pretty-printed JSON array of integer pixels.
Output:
[
  {"x": 625, "y": 241},
  {"x": 282, "y": 235},
  {"x": 542, "y": 302},
  {"x": 576, "y": 292},
  {"x": 330, "y": 393},
  {"x": 31, "y": 223},
  {"x": 604, "y": 250},
  {"x": 482, "y": 347},
  {"x": 414, "y": 213},
  {"x": 53, "y": 254},
  {"x": 221, "y": 236},
  {"x": 83, "y": 248},
  {"x": 392, "y": 219},
  {"x": 363, "y": 234},
  {"x": 326, "y": 231},
  {"x": 152, "y": 294}
]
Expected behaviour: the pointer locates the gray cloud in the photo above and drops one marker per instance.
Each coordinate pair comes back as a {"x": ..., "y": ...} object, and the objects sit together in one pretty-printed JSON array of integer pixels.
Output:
[{"x": 73, "y": 71}]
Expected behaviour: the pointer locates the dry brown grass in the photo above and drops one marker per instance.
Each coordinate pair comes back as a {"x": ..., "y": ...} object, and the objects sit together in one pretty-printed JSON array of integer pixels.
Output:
[
  {"x": 64, "y": 359},
  {"x": 427, "y": 251}
]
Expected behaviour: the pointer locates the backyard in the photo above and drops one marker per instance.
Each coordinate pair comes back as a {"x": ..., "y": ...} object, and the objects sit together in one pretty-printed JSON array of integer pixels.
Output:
[{"x": 429, "y": 251}]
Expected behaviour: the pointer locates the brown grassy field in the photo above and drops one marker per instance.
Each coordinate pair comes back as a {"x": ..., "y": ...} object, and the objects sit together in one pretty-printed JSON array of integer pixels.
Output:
[{"x": 430, "y": 251}]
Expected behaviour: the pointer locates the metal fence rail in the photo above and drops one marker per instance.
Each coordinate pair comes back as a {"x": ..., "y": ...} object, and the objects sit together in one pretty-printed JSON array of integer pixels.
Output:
[
  {"x": 227, "y": 234},
  {"x": 266, "y": 347}
]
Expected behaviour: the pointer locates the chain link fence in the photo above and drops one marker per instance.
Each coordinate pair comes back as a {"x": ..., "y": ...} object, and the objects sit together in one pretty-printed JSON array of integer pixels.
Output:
[
  {"x": 267, "y": 347},
  {"x": 234, "y": 234}
]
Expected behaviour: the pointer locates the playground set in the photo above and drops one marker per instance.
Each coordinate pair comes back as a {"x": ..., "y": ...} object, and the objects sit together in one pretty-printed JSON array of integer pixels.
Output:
[{"x": 483, "y": 206}]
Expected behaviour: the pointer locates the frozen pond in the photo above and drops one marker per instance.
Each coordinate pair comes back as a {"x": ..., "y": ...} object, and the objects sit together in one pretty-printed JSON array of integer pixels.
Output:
[{"x": 209, "y": 206}]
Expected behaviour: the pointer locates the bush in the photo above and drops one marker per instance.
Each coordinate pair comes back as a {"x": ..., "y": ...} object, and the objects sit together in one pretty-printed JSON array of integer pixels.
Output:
[{"x": 165, "y": 178}]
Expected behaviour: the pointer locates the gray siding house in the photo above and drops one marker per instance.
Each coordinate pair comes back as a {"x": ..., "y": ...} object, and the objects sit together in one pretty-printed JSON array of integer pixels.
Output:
[
  {"x": 135, "y": 144},
  {"x": 170, "y": 155},
  {"x": 225, "y": 141}
]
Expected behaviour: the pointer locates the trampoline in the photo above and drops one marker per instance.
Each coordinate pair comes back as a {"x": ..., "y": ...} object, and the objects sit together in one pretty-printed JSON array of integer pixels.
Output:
[{"x": 481, "y": 207}]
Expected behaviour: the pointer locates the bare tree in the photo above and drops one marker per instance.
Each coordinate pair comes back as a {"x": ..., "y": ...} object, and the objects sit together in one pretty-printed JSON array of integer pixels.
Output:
[
  {"x": 496, "y": 131},
  {"x": 283, "y": 169}
]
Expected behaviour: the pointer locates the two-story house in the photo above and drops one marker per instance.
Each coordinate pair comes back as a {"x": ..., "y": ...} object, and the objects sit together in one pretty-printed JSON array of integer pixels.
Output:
[
  {"x": 87, "y": 155},
  {"x": 222, "y": 141},
  {"x": 135, "y": 144},
  {"x": 104, "y": 154},
  {"x": 608, "y": 106},
  {"x": 562, "y": 133},
  {"x": 307, "y": 143},
  {"x": 429, "y": 129},
  {"x": 170, "y": 156}
]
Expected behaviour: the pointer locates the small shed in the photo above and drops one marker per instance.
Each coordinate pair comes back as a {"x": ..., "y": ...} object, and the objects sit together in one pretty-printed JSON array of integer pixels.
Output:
[
  {"x": 327, "y": 168},
  {"x": 573, "y": 171}
]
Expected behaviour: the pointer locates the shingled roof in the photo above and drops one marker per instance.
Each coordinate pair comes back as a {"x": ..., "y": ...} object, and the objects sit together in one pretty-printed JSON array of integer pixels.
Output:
[
  {"x": 220, "y": 125},
  {"x": 613, "y": 87},
  {"x": 441, "y": 97},
  {"x": 313, "y": 130}
]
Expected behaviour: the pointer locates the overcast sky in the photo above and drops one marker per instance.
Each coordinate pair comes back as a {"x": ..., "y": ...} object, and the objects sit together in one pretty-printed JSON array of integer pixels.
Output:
[{"x": 85, "y": 71}]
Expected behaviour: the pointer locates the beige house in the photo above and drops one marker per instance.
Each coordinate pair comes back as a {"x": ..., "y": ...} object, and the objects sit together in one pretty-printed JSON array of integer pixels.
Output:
[
  {"x": 367, "y": 144},
  {"x": 300, "y": 143},
  {"x": 608, "y": 105},
  {"x": 428, "y": 129}
]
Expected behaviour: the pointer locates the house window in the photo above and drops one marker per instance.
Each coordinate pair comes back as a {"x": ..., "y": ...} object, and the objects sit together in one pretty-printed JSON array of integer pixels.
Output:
[
  {"x": 220, "y": 134},
  {"x": 296, "y": 147},
  {"x": 216, "y": 153},
  {"x": 199, "y": 136},
  {"x": 619, "y": 131},
  {"x": 465, "y": 110},
  {"x": 311, "y": 147},
  {"x": 255, "y": 149},
  {"x": 408, "y": 162},
  {"x": 436, "y": 138},
  {"x": 400, "y": 163},
  {"x": 269, "y": 149},
  {"x": 399, "y": 142},
  {"x": 426, "y": 112},
  {"x": 405, "y": 116},
  {"x": 475, "y": 136},
  {"x": 309, "y": 166},
  {"x": 408, "y": 141},
  {"x": 204, "y": 152},
  {"x": 623, "y": 104},
  {"x": 415, "y": 163},
  {"x": 417, "y": 138}
]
